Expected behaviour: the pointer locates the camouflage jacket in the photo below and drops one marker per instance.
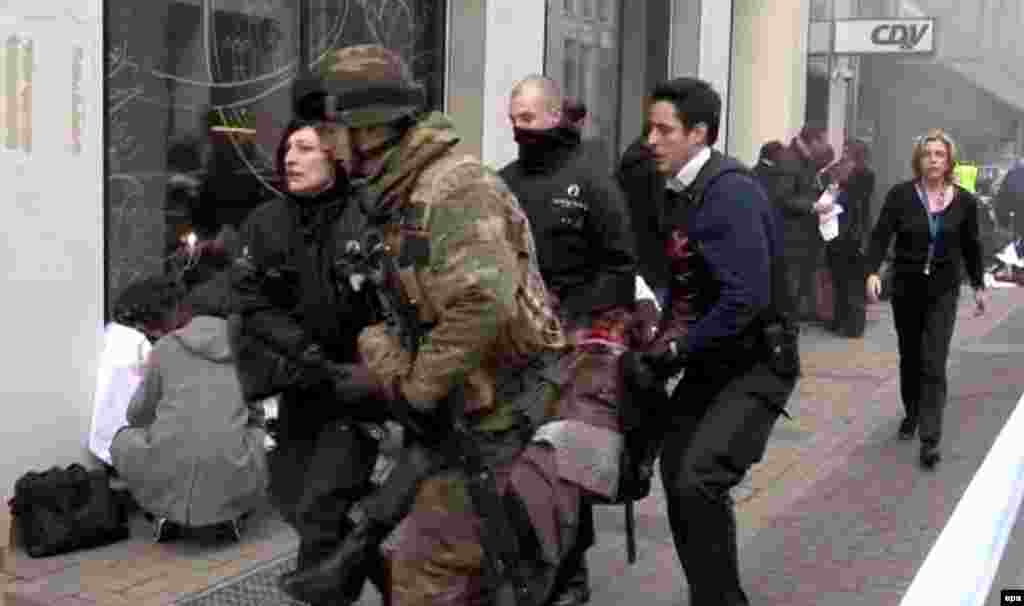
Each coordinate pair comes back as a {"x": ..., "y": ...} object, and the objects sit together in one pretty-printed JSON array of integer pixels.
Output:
[{"x": 467, "y": 263}]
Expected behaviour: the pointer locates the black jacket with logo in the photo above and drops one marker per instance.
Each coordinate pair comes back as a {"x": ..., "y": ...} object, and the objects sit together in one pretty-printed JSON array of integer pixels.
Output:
[{"x": 580, "y": 225}]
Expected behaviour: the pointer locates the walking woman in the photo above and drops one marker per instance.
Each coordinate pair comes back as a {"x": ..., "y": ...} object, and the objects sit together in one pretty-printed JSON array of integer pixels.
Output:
[{"x": 935, "y": 225}]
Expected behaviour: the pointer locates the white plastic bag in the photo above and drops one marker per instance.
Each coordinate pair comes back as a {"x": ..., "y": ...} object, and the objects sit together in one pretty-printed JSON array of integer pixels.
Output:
[{"x": 122, "y": 364}]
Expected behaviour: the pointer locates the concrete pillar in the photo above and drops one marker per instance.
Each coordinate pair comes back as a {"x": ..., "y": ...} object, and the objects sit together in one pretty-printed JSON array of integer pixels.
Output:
[{"x": 769, "y": 73}]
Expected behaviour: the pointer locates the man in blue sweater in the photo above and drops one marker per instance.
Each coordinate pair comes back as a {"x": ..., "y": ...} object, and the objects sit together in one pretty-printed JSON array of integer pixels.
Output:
[{"x": 726, "y": 325}]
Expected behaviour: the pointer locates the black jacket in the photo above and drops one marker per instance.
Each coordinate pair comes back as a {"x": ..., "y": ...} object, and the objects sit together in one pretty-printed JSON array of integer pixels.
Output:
[
  {"x": 645, "y": 194},
  {"x": 795, "y": 194},
  {"x": 292, "y": 309},
  {"x": 904, "y": 218},
  {"x": 585, "y": 247}
]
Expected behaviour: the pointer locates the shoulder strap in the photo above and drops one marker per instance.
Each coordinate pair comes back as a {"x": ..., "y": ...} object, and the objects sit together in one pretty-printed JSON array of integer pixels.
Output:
[{"x": 715, "y": 168}]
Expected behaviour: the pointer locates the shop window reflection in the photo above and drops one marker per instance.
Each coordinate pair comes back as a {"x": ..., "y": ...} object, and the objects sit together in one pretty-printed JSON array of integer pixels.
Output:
[
  {"x": 198, "y": 94},
  {"x": 583, "y": 52}
]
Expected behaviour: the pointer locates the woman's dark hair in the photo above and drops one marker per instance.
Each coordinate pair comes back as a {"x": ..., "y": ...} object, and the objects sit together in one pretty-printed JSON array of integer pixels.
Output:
[
  {"x": 148, "y": 302},
  {"x": 695, "y": 103}
]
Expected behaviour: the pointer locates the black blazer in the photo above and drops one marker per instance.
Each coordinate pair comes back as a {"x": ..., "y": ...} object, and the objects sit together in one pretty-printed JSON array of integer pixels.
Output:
[{"x": 904, "y": 217}]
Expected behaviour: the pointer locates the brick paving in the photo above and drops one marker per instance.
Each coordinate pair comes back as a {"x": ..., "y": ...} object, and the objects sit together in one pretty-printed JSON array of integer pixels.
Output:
[{"x": 844, "y": 411}]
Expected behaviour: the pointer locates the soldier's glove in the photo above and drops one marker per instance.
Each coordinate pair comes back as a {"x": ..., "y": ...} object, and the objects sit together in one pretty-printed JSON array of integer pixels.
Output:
[
  {"x": 360, "y": 391},
  {"x": 665, "y": 362},
  {"x": 427, "y": 427},
  {"x": 643, "y": 326}
]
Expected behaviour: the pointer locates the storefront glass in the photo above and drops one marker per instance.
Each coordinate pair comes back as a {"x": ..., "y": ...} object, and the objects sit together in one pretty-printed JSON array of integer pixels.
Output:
[
  {"x": 198, "y": 92},
  {"x": 589, "y": 45}
]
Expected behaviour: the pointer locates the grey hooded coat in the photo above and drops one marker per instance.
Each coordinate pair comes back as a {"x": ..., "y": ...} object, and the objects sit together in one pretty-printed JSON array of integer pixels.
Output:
[{"x": 193, "y": 451}]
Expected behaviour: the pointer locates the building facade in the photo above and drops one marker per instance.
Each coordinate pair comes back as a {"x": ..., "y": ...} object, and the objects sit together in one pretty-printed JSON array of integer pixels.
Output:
[{"x": 127, "y": 126}]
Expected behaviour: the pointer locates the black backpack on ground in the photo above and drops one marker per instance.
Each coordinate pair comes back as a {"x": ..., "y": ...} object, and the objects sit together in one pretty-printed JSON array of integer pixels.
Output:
[{"x": 62, "y": 510}]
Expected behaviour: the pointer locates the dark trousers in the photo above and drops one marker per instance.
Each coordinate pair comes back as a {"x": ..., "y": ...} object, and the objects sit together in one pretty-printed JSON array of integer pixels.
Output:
[
  {"x": 314, "y": 480},
  {"x": 802, "y": 263},
  {"x": 849, "y": 313},
  {"x": 726, "y": 415},
  {"x": 924, "y": 327}
]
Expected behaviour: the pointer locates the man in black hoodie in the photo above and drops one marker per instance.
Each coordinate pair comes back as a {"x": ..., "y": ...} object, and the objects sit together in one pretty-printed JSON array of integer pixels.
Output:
[{"x": 585, "y": 249}]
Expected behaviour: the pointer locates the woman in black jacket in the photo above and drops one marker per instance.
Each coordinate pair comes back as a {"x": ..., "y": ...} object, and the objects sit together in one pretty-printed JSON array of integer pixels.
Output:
[{"x": 935, "y": 224}]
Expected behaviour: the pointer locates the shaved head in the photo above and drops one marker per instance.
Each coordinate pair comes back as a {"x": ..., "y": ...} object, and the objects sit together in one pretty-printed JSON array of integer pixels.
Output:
[{"x": 535, "y": 103}]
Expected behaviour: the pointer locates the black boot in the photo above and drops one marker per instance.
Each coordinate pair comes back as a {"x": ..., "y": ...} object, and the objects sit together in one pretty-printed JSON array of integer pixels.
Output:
[
  {"x": 930, "y": 455},
  {"x": 342, "y": 569},
  {"x": 575, "y": 590}
]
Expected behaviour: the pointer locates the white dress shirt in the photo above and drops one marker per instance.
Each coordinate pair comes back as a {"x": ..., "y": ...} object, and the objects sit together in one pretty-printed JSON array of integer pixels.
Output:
[{"x": 689, "y": 171}]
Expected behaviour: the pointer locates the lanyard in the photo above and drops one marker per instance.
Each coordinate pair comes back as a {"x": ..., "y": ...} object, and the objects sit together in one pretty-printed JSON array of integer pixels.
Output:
[{"x": 934, "y": 227}]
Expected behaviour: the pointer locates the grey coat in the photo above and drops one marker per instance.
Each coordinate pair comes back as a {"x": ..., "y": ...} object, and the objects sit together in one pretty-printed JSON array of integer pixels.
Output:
[{"x": 193, "y": 451}]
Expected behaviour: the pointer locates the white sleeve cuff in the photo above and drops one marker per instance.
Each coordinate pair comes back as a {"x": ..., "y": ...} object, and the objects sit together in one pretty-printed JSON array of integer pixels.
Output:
[{"x": 644, "y": 292}]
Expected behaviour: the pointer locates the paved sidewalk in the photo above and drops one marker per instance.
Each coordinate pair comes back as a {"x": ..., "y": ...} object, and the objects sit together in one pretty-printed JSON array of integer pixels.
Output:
[{"x": 846, "y": 399}]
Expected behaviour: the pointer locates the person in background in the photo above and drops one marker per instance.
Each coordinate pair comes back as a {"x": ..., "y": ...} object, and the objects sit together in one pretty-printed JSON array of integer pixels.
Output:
[
  {"x": 644, "y": 188},
  {"x": 575, "y": 114},
  {"x": 144, "y": 311},
  {"x": 295, "y": 321},
  {"x": 855, "y": 184},
  {"x": 802, "y": 161},
  {"x": 192, "y": 454},
  {"x": 1010, "y": 200},
  {"x": 935, "y": 227}
]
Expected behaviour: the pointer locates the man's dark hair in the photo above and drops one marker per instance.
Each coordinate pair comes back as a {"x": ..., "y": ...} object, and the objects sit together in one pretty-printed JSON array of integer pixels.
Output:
[{"x": 695, "y": 102}]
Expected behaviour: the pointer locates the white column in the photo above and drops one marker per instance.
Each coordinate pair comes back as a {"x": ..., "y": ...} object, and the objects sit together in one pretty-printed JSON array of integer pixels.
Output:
[
  {"x": 51, "y": 261},
  {"x": 715, "y": 64},
  {"x": 514, "y": 48},
  {"x": 769, "y": 73}
]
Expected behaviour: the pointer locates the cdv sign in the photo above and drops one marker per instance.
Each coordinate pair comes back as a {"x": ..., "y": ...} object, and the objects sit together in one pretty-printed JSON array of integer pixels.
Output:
[{"x": 901, "y": 36}]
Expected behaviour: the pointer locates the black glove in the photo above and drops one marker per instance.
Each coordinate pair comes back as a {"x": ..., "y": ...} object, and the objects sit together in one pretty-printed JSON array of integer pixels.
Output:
[
  {"x": 666, "y": 362},
  {"x": 427, "y": 427},
  {"x": 361, "y": 393}
]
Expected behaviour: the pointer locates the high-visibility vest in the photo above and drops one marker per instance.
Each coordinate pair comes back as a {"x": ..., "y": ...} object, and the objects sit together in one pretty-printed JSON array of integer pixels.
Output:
[{"x": 966, "y": 176}]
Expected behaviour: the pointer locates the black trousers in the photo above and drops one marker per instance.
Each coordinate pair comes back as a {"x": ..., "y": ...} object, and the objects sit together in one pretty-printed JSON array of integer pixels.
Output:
[
  {"x": 725, "y": 416},
  {"x": 314, "y": 480},
  {"x": 849, "y": 312},
  {"x": 924, "y": 327},
  {"x": 802, "y": 263}
]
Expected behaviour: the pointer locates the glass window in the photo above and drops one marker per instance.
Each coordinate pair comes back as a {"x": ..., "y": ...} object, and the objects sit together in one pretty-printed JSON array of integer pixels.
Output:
[
  {"x": 584, "y": 54},
  {"x": 198, "y": 94}
]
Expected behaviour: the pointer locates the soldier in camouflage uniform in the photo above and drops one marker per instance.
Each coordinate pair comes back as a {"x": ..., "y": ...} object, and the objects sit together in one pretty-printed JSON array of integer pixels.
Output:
[{"x": 469, "y": 318}]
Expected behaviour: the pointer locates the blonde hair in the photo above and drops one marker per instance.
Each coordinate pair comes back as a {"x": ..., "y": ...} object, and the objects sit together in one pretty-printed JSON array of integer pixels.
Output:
[{"x": 935, "y": 134}]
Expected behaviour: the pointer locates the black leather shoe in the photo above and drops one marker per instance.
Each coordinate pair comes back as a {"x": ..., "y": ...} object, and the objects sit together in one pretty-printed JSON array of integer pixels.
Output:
[
  {"x": 575, "y": 592},
  {"x": 342, "y": 569},
  {"x": 930, "y": 456},
  {"x": 907, "y": 429}
]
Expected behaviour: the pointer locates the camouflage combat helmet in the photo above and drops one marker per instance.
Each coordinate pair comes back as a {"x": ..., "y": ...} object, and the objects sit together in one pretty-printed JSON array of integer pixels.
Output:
[{"x": 369, "y": 85}]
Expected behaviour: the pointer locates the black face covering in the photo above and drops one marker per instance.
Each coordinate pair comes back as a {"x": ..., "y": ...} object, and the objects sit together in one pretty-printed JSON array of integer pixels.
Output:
[{"x": 541, "y": 148}]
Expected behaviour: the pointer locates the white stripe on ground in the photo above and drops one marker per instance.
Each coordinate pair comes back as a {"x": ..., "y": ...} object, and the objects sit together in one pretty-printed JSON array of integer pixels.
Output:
[{"x": 963, "y": 561}]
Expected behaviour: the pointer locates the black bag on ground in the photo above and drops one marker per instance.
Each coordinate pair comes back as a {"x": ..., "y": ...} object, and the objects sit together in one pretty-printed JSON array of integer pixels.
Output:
[{"x": 62, "y": 510}]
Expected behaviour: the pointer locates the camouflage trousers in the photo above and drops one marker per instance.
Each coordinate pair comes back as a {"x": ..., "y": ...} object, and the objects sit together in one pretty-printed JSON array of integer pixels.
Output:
[{"x": 436, "y": 554}]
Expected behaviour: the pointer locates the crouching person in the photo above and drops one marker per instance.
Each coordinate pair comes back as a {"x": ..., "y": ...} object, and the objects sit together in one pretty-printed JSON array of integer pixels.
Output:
[{"x": 192, "y": 454}]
